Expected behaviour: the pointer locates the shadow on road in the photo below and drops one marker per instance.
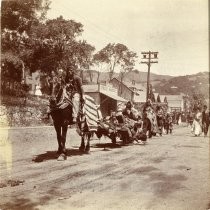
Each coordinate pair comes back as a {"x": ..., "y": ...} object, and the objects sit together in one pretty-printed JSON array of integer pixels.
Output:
[
  {"x": 20, "y": 203},
  {"x": 106, "y": 145},
  {"x": 51, "y": 155}
]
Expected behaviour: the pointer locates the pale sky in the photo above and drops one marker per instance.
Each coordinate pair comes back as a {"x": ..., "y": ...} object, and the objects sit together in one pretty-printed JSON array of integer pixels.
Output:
[{"x": 177, "y": 29}]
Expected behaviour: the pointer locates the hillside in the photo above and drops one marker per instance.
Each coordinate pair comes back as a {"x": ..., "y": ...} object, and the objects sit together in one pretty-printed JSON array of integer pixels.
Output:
[
  {"x": 196, "y": 83},
  {"x": 137, "y": 76},
  {"x": 163, "y": 84}
]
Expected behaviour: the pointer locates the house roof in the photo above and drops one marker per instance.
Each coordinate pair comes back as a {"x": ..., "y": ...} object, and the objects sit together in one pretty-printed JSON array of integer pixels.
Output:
[
  {"x": 138, "y": 86},
  {"x": 96, "y": 89},
  {"x": 122, "y": 83},
  {"x": 113, "y": 96}
]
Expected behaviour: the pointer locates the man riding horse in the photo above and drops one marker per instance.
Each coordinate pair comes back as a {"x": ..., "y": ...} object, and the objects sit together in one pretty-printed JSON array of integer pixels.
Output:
[
  {"x": 65, "y": 103},
  {"x": 75, "y": 91}
]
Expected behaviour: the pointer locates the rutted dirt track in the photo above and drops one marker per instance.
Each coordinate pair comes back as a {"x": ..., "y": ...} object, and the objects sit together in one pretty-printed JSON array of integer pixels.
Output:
[{"x": 169, "y": 172}]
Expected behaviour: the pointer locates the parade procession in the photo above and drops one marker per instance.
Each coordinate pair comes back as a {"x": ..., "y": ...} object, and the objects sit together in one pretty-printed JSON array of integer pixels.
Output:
[{"x": 104, "y": 105}]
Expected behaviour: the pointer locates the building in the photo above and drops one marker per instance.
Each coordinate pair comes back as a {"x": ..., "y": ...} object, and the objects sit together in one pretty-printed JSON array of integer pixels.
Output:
[
  {"x": 104, "y": 95},
  {"x": 175, "y": 102},
  {"x": 137, "y": 87},
  {"x": 140, "y": 97},
  {"x": 122, "y": 89}
]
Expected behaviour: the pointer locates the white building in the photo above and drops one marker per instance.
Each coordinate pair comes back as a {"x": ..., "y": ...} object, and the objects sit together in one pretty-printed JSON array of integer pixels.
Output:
[{"x": 175, "y": 102}]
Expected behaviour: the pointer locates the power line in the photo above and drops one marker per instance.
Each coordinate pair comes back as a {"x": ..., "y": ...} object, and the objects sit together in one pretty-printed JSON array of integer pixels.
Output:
[{"x": 108, "y": 34}]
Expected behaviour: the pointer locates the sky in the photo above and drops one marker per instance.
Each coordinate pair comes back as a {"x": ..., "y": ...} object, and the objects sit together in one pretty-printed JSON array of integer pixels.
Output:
[{"x": 177, "y": 29}]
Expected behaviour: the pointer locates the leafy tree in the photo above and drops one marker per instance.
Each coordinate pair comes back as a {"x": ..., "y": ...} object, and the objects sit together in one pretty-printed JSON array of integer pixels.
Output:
[
  {"x": 16, "y": 20},
  {"x": 100, "y": 60},
  {"x": 55, "y": 45},
  {"x": 117, "y": 55},
  {"x": 158, "y": 99},
  {"x": 20, "y": 15},
  {"x": 84, "y": 57},
  {"x": 197, "y": 100},
  {"x": 127, "y": 64}
]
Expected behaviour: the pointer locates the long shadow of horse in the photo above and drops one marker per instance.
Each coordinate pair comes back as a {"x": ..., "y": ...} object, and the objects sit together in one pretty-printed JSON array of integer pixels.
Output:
[{"x": 51, "y": 155}]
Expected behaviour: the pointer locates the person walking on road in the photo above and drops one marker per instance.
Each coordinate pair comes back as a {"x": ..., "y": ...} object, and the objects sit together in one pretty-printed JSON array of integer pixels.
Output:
[
  {"x": 205, "y": 120},
  {"x": 197, "y": 123}
]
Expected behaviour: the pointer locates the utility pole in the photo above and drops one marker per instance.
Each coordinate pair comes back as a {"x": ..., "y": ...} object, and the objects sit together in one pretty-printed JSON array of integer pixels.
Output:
[{"x": 148, "y": 56}]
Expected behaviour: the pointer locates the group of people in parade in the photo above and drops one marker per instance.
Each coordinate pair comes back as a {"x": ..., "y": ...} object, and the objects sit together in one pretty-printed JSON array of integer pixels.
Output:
[{"x": 137, "y": 124}]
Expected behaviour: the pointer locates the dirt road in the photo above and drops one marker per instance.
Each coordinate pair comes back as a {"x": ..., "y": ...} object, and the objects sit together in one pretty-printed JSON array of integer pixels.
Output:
[{"x": 169, "y": 172}]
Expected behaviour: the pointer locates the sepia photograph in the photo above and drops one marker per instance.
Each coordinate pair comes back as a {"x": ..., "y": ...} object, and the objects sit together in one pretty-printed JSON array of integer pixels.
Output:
[{"x": 104, "y": 105}]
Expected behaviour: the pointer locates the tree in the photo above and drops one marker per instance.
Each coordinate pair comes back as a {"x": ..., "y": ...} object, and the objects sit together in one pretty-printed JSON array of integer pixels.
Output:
[
  {"x": 100, "y": 60},
  {"x": 55, "y": 43},
  {"x": 197, "y": 100},
  {"x": 158, "y": 99},
  {"x": 117, "y": 55},
  {"x": 127, "y": 63},
  {"x": 16, "y": 20},
  {"x": 84, "y": 57},
  {"x": 20, "y": 15}
]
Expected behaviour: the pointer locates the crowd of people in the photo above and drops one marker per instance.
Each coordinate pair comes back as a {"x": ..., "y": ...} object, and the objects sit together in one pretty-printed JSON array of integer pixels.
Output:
[
  {"x": 137, "y": 124},
  {"x": 140, "y": 125}
]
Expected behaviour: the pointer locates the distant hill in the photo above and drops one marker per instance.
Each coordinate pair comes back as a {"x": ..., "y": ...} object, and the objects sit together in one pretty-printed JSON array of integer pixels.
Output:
[
  {"x": 163, "y": 84},
  {"x": 140, "y": 76},
  {"x": 137, "y": 76},
  {"x": 196, "y": 83}
]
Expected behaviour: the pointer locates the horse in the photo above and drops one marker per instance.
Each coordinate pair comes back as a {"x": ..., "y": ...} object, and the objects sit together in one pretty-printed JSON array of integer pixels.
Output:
[{"x": 61, "y": 113}]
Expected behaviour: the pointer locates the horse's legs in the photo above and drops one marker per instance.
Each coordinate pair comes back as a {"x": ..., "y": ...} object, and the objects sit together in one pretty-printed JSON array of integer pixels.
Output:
[
  {"x": 62, "y": 141},
  {"x": 58, "y": 132},
  {"x": 87, "y": 148},
  {"x": 63, "y": 138},
  {"x": 82, "y": 146}
]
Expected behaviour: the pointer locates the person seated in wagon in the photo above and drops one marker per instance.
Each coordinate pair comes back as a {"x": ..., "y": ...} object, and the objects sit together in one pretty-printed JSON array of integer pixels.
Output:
[{"x": 129, "y": 114}]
